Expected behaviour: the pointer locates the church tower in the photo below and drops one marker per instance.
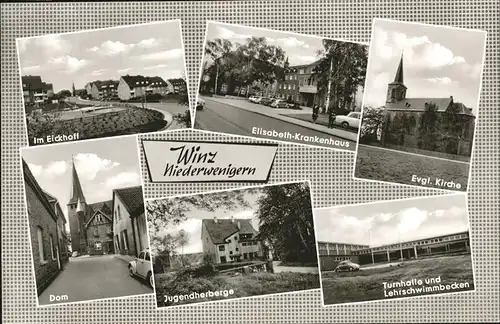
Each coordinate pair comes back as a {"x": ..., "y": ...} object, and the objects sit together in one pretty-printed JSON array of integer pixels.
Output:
[
  {"x": 76, "y": 212},
  {"x": 396, "y": 90}
]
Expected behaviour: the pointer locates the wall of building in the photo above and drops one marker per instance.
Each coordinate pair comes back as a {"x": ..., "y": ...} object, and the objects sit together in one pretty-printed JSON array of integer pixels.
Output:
[
  {"x": 40, "y": 217},
  {"x": 141, "y": 234},
  {"x": 122, "y": 227},
  {"x": 100, "y": 232},
  {"x": 208, "y": 247},
  {"x": 123, "y": 90}
]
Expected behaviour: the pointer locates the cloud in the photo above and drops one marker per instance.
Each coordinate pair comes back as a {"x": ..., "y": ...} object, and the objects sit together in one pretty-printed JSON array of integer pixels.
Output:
[
  {"x": 165, "y": 55},
  {"x": 35, "y": 169},
  {"x": 410, "y": 219},
  {"x": 112, "y": 48},
  {"x": 125, "y": 70},
  {"x": 123, "y": 179},
  {"x": 98, "y": 72},
  {"x": 22, "y": 43},
  {"x": 31, "y": 69},
  {"x": 90, "y": 164},
  {"x": 66, "y": 63},
  {"x": 292, "y": 42},
  {"x": 303, "y": 59},
  {"x": 154, "y": 67},
  {"x": 439, "y": 80},
  {"x": 52, "y": 169},
  {"x": 150, "y": 42},
  {"x": 52, "y": 45},
  {"x": 227, "y": 33},
  {"x": 93, "y": 49}
]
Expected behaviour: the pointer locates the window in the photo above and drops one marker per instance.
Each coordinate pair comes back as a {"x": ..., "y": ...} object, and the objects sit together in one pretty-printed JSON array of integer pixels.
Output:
[
  {"x": 237, "y": 249},
  {"x": 229, "y": 241},
  {"x": 236, "y": 238},
  {"x": 119, "y": 214},
  {"x": 147, "y": 257},
  {"x": 289, "y": 87},
  {"x": 96, "y": 231},
  {"x": 52, "y": 247},
  {"x": 41, "y": 250},
  {"x": 141, "y": 255},
  {"x": 230, "y": 252},
  {"x": 222, "y": 248}
]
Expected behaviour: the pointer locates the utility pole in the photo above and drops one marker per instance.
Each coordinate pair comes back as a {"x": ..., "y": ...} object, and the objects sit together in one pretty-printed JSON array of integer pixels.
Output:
[{"x": 329, "y": 85}]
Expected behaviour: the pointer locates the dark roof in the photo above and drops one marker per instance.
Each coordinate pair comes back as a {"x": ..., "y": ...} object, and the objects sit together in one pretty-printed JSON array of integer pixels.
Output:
[
  {"x": 156, "y": 82},
  {"x": 95, "y": 213},
  {"x": 32, "y": 82},
  {"x": 304, "y": 65},
  {"x": 104, "y": 206},
  {"x": 132, "y": 199},
  {"x": 106, "y": 84},
  {"x": 226, "y": 227},
  {"x": 418, "y": 104},
  {"x": 460, "y": 109},
  {"x": 134, "y": 81},
  {"x": 76, "y": 189},
  {"x": 177, "y": 81}
]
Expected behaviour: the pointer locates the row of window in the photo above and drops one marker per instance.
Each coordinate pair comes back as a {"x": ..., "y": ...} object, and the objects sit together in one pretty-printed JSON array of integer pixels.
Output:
[{"x": 248, "y": 243}]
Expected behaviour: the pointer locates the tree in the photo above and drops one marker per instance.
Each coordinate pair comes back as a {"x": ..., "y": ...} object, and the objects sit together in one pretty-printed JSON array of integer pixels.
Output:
[
  {"x": 64, "y": 94},
  {"x": 182, "y": 239},
  {"x": 218, "y": 50},
  {"x": 371, "y": 123},
  {"x": 348, "y": 62},
  {"x": 428, "y": 130},
  {"x": 286, "y": 222}
]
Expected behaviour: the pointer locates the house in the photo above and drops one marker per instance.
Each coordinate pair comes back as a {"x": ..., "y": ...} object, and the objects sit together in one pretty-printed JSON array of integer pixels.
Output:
[
  {"x": 129, "y": 221},
  {"x": 405, "y": 118},
  {"x": 160, "y": 86},
  {"x": 88, "y": 88},
  {"x": 299, "y": 85},
  {"x": 35, "y": 91},
  {"x": 89, "y": 223},
  {"x": 61, "y": 228},
  {"x": 230, "y": 240},
  {"x": 99, "y": 229},
  {"x": 131, "y": 86},
  {"x": 179, "y": 85},
  {"x": 104, "y": 89},
  {"x": 43, "y": 228}
]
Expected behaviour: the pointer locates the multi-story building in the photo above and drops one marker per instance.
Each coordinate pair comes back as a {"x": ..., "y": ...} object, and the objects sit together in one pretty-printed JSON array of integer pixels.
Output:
[
  {"x": 35, "y": 91},
  {"x": 99, "y": 229},
  {"x": 132, "y": 86},
  {"x": 129, "y": 222},
  {"x": 300, "y": 85},
  {"x": 230, "y": 240},
  {"x": 43, "y": 232},
  {"x": 61, "y": 228},
  {"x": 104, "y": 89},
  {"x": 332, "y": 253},
  {"x": 179, "y": 85}
]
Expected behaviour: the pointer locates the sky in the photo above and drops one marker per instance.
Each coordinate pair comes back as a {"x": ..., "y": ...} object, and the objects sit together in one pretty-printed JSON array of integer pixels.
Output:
[
  {"x": 416, "y": 219},
  {"x": 61, "y": 59},
  {"x": 439, "y": 62},
  {"x": 102, "y": 165},
  {"x": 192, "y": 226}
]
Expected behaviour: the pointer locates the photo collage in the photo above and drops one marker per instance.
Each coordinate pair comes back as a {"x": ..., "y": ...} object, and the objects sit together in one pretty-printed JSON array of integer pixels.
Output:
[{"x": 404, "y": 105}]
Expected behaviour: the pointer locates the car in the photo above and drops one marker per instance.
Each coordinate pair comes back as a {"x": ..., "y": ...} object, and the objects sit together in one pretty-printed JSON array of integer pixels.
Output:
[
  {"x": 252, "y": 98},
  {"x": 75, "y": 254},
  {"x": 256, "y": 99},
  {"x": 266, "y": 101},
  {"x": 347, "y": 265},
  {"x": 200, "y": 104},
  {"x": 141, "y": 267},
  {"x": 350, "y": 121}
]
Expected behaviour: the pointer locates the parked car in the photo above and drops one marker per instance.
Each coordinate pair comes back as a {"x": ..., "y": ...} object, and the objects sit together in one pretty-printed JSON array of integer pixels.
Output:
[
  {"x": 200, "y": 104},
  {"x": 252, "y": 98},
  {"x": 347, "y": 265},
  {"x": 75, "y": 254},
  {"x": 265, "y": 101},
  {"x": 141, "y": 267},
  {"x": 257, "y": 100},
  {"x": 352, "y": 120}
]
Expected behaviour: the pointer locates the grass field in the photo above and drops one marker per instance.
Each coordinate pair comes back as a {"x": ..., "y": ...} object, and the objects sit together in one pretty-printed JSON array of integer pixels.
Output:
[
  {"x": 378, "y": 164},
  {"x": 368, "y": 285},
  {"x": 243, "y": 285}
]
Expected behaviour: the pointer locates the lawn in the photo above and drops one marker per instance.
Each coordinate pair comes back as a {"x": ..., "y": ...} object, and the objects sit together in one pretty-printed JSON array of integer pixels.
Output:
[
  {"x": 367, "y": 284},
  {"x": 243, "y": 285},
  {"x": 384, "y": 165},
  {"x": 322, "y": 120}
]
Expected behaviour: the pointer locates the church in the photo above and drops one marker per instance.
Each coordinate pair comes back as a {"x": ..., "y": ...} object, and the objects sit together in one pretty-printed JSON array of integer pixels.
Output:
[
  {"x": 91, "y": 226},
  {"x": 433, "y": 124}
]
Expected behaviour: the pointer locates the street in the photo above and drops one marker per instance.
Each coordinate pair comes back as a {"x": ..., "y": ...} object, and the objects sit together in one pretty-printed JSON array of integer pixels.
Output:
[
  {"x": 236, "y": 116},
  {"x": 94, "y": 277},
  {"x": 168, "y": 109}
]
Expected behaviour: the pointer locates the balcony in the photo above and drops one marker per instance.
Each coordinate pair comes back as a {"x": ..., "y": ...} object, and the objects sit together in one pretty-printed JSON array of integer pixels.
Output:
[{"x": 308, "y": 89}]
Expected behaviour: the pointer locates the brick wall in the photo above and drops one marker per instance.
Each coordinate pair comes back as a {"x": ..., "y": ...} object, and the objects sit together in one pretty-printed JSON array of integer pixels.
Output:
[{"x": 39, "y": 216}]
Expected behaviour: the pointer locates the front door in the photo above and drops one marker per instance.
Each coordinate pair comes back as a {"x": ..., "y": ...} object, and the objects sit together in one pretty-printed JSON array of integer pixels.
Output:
[{"x": 222, "y": 259}]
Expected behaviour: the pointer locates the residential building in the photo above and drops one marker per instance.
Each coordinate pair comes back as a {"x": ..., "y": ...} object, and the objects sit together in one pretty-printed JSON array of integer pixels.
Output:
[
  {"x": 88, "y": 88},
  {"x": 330, "y": 254},
  {"x": 104, "y": 89},
  {"x": 404, "y": 116},
  {"x": 179, "y": 85},
  {"x": 129, "y": 222},
  {"x": 99, "y": 229},
  {"x": 230, "y": 240},
  {"x": 160, "y": 86},
  {"x": 300, "y": 85},
  {"x": 131, "y": 86},
  {"x": 62, "y": 235},
  {"x": 82, "y": 221},
  {"x": 43, "y": 232},
  {"x": 35, "y": 91}
]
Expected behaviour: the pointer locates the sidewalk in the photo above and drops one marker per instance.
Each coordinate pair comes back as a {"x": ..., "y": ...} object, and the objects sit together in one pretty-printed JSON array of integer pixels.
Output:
[
  {"x": 275, "y": 113},
  {"x": 125, "y": 258}
]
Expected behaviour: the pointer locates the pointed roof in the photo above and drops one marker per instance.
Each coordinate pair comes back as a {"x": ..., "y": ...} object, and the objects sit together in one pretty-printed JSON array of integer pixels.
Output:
[
  {"x": 93, "y": 216},
  {"x": 223, "y": 228},
  {"x": 76, "y": 188},
  {"x": 399, "y": 73},
  {"x": 132, "y": 199}
]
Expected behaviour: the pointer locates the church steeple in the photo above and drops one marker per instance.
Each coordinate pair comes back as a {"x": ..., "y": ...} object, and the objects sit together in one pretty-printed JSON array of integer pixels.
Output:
[
  {"x": 76, "y": 188},
  {"x": 396, "y": 90}
]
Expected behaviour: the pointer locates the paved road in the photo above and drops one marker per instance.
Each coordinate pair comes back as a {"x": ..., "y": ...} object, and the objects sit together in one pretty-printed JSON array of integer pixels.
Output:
[
  {"x": 94, "y": 277},
  {"x": 169, "y": 109},
  {"x": 225, "y": 118}
]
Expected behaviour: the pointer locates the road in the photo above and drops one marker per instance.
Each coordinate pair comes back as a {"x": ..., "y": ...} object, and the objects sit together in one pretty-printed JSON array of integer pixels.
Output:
[
  {"x": 94, "y": 277},
  {"x": 168, "y": 109},
  {"x": 229, "y": 118}
]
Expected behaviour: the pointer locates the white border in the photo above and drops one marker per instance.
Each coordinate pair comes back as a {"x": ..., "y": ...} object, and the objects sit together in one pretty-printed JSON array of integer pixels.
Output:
[
  {"x": 464, "y": 195},
  {"x": 237, "y": 189},
  {"x": 274, "y": 31},
  {"x": 21, "y": 149},
  {"x": 97, "y": 30},
  {"x": 476, "y": 124}
]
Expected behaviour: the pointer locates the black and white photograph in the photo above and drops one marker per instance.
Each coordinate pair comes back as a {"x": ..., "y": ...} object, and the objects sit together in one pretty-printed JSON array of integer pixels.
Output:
[
  {"x": 281, "y": 86},
  {"x": 103, "y": 83},
  {"x": 394, "y": 249},
  {"x": 420, "y": 105},
  {"x": 241, "y": 243},
  {"x": 86, "y": 220}
]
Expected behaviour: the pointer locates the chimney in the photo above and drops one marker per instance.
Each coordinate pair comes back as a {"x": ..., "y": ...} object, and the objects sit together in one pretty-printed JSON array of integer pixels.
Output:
[
  {"x": 215, "y": 219},
  {"x": 451, "y": 97},
  {"x": 239, "y": 225}
]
